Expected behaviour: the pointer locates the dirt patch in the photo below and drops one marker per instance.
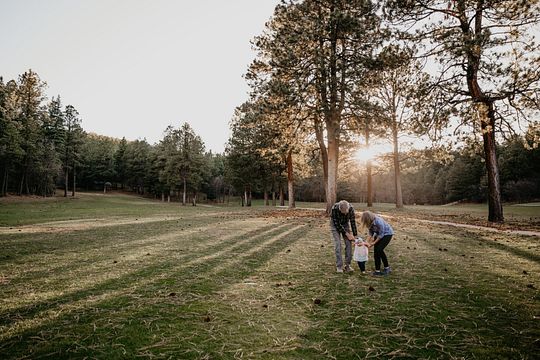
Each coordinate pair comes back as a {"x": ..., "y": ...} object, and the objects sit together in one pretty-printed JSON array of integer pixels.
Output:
[
  {"x": 294, "y": 213},
  {"x": 530, "y": 225}
]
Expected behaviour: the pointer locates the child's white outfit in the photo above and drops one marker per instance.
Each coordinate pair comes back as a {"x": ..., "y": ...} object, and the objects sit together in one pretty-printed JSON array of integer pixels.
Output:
[{"x": 360, "y": 253}]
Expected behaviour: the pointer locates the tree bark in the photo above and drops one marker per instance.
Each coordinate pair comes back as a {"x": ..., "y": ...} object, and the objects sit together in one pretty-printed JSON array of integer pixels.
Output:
[
  {"x": 266, "y": 201},
  {"x": 324, "y": 153},
  {"x": 273, "y": 198},
  {"x": 333, "y": 156},
  {"x": 281, "y": 195},
  {"x": 369, "y": 195},
  {"x": 66, "y": 182},
  {"x": 5, "y": 179},
  {"x": 184, "y": 194},
  {"x": 487, "y": 121},
  {"x": 74, "y": 182},
  {"x": 397, "y": 171},
  {"x": 290, "y": 180}
]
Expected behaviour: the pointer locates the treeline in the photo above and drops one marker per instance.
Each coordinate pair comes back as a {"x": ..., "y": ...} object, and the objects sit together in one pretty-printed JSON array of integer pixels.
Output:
[
  {"x": 43, "y": 147},
  {"x": 445, "y": 176}
]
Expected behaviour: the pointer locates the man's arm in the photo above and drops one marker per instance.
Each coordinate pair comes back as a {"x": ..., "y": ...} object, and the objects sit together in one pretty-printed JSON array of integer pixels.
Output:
[
  {"x": 352, "y": 218},
  {"x": 337, "y": 225}
]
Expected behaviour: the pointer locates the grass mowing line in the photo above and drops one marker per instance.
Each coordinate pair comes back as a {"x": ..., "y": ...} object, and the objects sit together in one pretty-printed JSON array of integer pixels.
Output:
[{"x": 50, "y": 314}]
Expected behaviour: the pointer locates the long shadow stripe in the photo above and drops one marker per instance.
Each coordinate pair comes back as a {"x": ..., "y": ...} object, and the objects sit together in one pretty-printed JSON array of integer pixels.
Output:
[{"x": 48, "y": 310}]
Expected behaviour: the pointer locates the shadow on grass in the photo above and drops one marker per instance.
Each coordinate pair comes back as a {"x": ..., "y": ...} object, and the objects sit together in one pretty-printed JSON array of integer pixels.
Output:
[
  {"x": 157, "y": 278},
  {"x": 126, "y": 280},
  {"x": 18, "y": 247},
  {"x": 467, "y": 237},
  {"x": 95, "y": 252}
]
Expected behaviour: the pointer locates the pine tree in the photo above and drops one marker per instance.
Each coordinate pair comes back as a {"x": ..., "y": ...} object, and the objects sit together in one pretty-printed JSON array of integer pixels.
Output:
[
  {"x": 488, "y": 64},
  {"x": 72, "y": 145}
]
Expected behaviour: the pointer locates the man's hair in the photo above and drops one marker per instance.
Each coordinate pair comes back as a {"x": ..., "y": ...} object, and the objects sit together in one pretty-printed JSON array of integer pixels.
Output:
[{"x": 344, "y": 206}]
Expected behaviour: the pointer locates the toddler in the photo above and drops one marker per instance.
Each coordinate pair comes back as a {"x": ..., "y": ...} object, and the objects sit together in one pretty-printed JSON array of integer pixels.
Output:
[{"x": 361, "y": 253}]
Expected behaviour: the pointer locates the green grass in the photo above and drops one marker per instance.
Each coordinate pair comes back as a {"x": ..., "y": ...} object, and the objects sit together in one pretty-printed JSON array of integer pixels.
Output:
[{"x": 152, "y": 280}]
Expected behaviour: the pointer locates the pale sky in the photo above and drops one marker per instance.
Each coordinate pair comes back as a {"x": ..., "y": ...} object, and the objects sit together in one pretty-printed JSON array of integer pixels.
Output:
[{"x": 133, "y": 67}]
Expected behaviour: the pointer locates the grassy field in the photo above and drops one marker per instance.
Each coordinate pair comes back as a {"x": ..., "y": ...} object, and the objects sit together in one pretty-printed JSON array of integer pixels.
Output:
[
  {"x": 115, "y": 277},
  {"x": 517, "y": 216}
]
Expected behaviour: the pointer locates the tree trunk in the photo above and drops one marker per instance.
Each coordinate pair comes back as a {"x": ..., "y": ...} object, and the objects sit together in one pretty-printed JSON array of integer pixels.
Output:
[
  {"x": 194, "y": 203},
  {"x": 369, "y": 195},
  {"x": 249, "y": 196},
  {"x": 266, "y": 201},
  {"x": 333, "y": 156},
  {"x": 281, "y": 195},
  {"x": 74, "y": 182},
  {"x": 26, "y": 182},
  {"x": 324, "y": 153},
  {"x": 290, "y": 180},
  {"x": 245, "y": 198},
  {"x": 162, "y": 196},
  {"x": 66, "y": 182},
  {"x": 184, "y": 194},
  {"x": 397, "y": 171},
  {"x": 273, "y": 198},
  {"x": 5, "y": 179},
  {"x": 487, "y": 121}
]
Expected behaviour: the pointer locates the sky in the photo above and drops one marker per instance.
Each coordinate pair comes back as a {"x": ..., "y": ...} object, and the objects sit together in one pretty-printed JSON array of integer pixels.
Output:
[{"x": 133, "y": 67}]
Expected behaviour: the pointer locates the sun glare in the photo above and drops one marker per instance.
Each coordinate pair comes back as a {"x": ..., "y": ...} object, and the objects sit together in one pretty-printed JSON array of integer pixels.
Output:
[{"x": 371, "y": 153}]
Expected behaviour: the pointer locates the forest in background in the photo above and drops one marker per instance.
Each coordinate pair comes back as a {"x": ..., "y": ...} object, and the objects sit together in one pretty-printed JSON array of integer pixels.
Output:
[{"x": 43, "y": 147}]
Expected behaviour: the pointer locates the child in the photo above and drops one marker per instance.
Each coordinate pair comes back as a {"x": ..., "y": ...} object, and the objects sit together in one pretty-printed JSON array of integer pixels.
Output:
[
  {"x": 380, "y": 233},
  {"x": 361, "y": 253}
]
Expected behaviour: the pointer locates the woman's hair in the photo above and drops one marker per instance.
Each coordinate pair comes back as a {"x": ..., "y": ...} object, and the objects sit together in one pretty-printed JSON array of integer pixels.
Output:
[
  {"x": 344, "y": 206},
  {"x": 367, "y": 219}
]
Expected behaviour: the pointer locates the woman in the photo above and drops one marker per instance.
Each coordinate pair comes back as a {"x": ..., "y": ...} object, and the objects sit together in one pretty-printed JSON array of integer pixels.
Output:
[{"x": 380, "y": 234}]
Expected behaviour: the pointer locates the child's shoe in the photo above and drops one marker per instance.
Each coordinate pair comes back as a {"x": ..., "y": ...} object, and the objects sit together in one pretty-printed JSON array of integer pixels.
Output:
[
  {"x": 348, "y": 268},
  {"x": 339, "y": 270},
  {"x": 387, "y": 270},
  {"x": 378, "y": 273}
]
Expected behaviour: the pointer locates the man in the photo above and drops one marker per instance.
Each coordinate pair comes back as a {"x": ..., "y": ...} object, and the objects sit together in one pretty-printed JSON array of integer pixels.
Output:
[{"x": 342, "y": 214}]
